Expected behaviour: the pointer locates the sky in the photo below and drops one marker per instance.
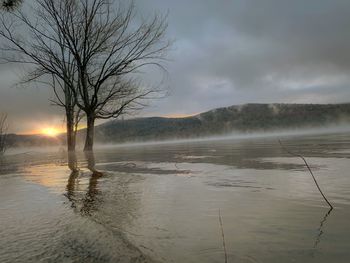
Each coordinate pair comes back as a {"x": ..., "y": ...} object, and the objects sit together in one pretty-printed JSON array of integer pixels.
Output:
[{"x": 225, "y": 52}]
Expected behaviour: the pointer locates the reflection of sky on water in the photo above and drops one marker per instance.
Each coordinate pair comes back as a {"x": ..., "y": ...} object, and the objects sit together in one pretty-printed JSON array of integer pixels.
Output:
[{"x": 165, "y": 199}]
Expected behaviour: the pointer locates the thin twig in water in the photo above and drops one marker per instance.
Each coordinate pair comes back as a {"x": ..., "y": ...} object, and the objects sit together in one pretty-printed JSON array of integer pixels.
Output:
[
  {"x": 223, "y": 236},
  {"x": 308, "y": 167},
  {"x": 320, "y": 229}
]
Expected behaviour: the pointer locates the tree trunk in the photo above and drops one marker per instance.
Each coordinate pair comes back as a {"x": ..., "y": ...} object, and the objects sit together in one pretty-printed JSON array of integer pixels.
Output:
[
  {"x": 71, "y": 140},
  {"x": 73, "y": 162},
  {"x": 89, "y": 140}
]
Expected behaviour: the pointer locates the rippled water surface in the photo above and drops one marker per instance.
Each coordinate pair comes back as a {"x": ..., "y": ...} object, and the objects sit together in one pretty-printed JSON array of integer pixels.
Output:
[{"x": 161, "y": 203}]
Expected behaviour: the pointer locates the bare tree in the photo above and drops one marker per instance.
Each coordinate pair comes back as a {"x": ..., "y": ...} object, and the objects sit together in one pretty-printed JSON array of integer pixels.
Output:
[
  {"x": 3, "y": 133},
  {"x": 42, "y": 49},
  {"x": 93, "y": 50},
  {"x": 108, "y": 47}
]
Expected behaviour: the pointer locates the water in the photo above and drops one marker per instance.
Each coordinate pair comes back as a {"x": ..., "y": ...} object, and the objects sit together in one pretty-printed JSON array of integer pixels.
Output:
[{"x": 161, "y": 203}]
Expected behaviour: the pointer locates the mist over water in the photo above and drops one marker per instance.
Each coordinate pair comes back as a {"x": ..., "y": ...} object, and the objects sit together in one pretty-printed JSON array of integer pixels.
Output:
[
  {"x": 274, "y": 134},
  {"x": 160, "y": 202}
]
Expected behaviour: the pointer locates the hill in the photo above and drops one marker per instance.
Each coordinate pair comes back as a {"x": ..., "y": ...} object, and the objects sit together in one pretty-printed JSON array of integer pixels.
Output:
[
  {"x": 242, "y": 118},
  {"x": 15, "y": 140}
]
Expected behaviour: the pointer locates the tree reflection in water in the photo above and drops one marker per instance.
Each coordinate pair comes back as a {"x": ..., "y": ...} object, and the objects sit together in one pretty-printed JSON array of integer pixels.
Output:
[
  {"x": 92, "y": 193},
  {"x": 320, "y": 229}
]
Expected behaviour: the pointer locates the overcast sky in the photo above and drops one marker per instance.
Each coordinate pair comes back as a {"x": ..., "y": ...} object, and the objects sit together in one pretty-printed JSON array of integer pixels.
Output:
[{"x": 228, "y": 52}]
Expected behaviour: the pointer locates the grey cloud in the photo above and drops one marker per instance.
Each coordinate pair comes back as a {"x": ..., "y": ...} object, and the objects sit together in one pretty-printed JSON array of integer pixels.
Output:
[{"x": 265, "y": 51}]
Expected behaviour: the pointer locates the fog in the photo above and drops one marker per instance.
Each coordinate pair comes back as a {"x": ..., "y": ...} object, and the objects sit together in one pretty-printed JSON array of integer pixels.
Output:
[
  {"x": 234, "y": 136},
  {"x": 240, "y": 136}
]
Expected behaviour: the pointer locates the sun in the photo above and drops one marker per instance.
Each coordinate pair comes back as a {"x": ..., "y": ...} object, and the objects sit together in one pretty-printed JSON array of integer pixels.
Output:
[{"x": 50, "y": 132}]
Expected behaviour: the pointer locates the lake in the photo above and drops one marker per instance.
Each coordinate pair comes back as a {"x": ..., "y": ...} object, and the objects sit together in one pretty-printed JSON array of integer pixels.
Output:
[{"x": 164, "y": 202}]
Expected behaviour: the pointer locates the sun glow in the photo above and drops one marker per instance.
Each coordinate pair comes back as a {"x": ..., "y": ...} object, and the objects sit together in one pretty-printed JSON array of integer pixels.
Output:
[{"x": 50, "y": 132}]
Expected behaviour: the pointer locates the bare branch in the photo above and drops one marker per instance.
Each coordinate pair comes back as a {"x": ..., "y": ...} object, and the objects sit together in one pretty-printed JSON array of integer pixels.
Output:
[
  {"x": 308, "y": 167},
  {"x": 10, "y": 5}
]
